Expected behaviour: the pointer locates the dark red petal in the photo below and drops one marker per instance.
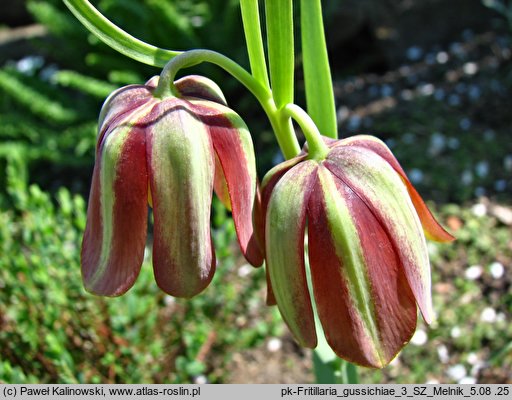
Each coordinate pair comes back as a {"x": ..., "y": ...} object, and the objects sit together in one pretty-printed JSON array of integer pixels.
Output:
[
  {"x": 233, "y": 146},
  {"x": 381, "y": 188},
  {"x": 432, "y": 228},
  {"x": 271, "y": 299},
  {"x": 364, "y": 302},
  {"x": 115, "y": 234}
]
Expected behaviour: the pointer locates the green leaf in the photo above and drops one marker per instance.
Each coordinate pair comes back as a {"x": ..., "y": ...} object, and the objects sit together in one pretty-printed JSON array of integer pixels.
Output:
[
  {"x": 252, "y": 29},
  {"x": 281, "y": 56},
  {"x": 317, "y": 73},
  {"x": 115, "y": 37}
]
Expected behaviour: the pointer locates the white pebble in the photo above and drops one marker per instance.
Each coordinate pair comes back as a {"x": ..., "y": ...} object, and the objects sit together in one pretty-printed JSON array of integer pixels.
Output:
[
  {"x": 274, "y": 344},
  {"x": 244, "y": 270},
  {"x": 479, "y": 210},
  {"x": 500, "y": 317},
  {"x": 497, "y": 270},
  {"x": 169, "y": 300},
  {"x": 473, "y": 272},
  {"x": 455, "y": 332},
  {"x": 457, "y": 372},
  {"x": 470, "y": 68},
  {"x": 343, "y": 114},
  {"x": 200, "y": 380},
  {"x": 467, "y": 380},
  {"x": 419, "y": 338},
  {"x": 473, "y": 358},
  {"x": 427, "y": 89},
  {"x": 395, "y": 362},
  {"x": 442, "y": 57},
  {"x": 488, "y": 315},
  {"x": 442, "y": 352}
]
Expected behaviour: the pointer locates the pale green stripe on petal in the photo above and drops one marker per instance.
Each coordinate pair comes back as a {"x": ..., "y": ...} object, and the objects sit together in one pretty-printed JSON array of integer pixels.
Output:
[
  {"x": 285, "y": 225},
  {"x": 111, "y": 153},
  {"x": 381, "y": 187},
  {"x": 345, "y": 238},
  {"x": 181, "y": 170}
]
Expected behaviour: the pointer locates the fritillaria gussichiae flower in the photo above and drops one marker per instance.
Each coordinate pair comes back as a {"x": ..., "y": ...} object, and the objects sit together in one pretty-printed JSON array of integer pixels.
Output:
[
  {"x": 368, "y": 258},
  {"x": 170, "y": 152}
]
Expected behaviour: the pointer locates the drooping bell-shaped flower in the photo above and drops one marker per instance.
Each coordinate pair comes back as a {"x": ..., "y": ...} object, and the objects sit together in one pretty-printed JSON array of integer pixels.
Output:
[
  {"x": 369, "y": 264},
  {"x": 171, "y": 152}
]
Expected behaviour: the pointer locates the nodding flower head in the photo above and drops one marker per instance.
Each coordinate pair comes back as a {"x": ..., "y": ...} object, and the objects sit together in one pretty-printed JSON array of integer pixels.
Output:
[
  {"x": 171, "y": 153},
  {"x": 369, "y": 265}
]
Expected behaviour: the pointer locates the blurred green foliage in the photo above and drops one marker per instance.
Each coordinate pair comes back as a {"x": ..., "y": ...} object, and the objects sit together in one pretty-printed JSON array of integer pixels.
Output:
[{"x": 51, "y": 330}]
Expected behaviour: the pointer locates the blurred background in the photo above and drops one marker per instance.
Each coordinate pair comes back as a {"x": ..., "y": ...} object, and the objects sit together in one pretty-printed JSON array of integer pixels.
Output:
[{"x": 432, "y": 78}]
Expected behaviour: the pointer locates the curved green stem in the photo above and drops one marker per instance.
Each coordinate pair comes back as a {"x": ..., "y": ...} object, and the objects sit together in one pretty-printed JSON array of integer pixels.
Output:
[
  {"x": 116, "y": 38},
  {"x": 282, "y": 128},
  {"x": 143, "y": 52},
  {"x": 317, "y": 147}
]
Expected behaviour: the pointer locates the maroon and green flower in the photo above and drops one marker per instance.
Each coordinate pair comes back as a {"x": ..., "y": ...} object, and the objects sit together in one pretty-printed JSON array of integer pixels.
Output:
[
  {"x": 171, "y": 153},
  {"x": 366, "y": 228}
]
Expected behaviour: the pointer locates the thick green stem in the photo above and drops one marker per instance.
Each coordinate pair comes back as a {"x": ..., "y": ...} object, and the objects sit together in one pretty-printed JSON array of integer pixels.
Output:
[
  {"x": 279, "y": 17},
  {"x": 252, "y": 30},
  {"x": 116, "y": 38},
  {"x": 317, "y": 147},
  {"x": 317, "y": 73}
]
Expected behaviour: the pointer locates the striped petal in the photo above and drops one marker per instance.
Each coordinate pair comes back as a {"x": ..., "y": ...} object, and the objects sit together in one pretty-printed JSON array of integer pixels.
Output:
[
  {"x": 119, "y": 104},
  {"x": 201, "y": 88},
  {"x": 115, "y": 235},
  {"x": 233, "y": 147},
  {"x": 363, "y": 299},
  {"x": 380, "y": 187},
  {"x": 181, "y": 167},
  {"x": 267, "y": 186},
  {"x": 285, "y": 225},
  {"x": 433, "y": 230}
]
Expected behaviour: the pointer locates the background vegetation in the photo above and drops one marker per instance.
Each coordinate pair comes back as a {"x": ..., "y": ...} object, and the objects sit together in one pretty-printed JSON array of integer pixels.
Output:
[{"x": 442, "y": 103}]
